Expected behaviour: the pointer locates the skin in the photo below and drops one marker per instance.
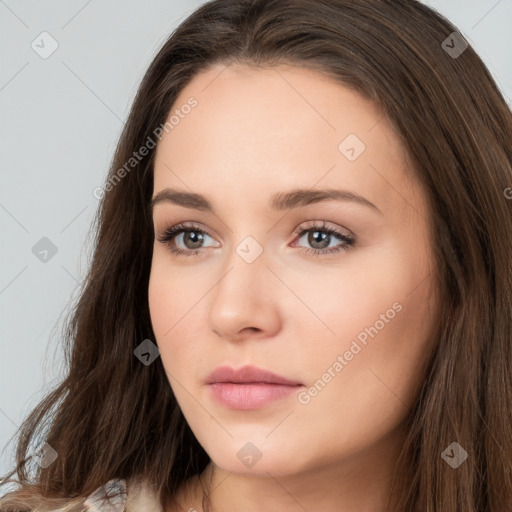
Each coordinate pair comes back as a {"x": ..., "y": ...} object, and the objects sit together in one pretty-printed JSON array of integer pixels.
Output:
[{"x": 253, "y": 133}]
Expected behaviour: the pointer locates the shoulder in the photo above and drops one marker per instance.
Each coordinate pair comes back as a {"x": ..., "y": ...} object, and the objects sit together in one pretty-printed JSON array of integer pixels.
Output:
[
  {"x": 117, "y": 495},
  {"x": 131, "y": 495},
  {"x": 141, "y": 497}
]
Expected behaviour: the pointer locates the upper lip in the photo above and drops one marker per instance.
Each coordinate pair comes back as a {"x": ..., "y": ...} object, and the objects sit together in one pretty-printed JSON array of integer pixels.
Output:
[{"x": 247, "y": 374}]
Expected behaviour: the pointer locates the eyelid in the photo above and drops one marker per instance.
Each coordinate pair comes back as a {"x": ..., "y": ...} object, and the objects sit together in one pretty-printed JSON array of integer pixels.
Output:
[
  {"x": 314, "y": 224},
  {"x": 308, "y": 225},
  {"x": 177, "y": 229},
  {"x": 185, "y": 226}
]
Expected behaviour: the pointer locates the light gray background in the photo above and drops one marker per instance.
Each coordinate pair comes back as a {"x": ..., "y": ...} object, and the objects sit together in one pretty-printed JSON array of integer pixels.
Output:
[{"x": 59, "y": 124}]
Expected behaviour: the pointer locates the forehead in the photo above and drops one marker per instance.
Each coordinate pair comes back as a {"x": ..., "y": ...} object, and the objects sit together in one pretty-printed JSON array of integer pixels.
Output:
[{"x": 256, "y": 128}]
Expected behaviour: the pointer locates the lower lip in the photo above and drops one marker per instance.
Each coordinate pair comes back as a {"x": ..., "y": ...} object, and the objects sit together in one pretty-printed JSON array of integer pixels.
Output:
[{"x": 249, "y": 396}]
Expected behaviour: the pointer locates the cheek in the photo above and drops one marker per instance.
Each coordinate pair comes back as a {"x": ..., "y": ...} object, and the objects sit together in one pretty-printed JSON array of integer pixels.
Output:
[
  {"x": 170, "y": 293},
  {"x": 175, "y": 301},
  {"x": 364, "y": 386},
  {"x": 368, "y": 375},
  {"x": 161, "y": 299},
  {"x": 371, "y": 290}
]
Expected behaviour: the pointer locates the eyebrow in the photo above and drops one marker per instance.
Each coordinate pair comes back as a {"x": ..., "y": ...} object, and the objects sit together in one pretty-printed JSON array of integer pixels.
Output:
[{"x": 279, "y": 201}]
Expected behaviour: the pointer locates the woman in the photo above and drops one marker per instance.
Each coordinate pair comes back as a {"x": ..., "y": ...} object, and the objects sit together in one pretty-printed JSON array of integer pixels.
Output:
[{"x": 300, "y": 295}]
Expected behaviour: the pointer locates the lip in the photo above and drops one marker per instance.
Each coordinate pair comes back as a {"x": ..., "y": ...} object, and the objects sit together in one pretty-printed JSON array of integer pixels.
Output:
[
  {"x": 247, "y": 374},
  {"x": 248, "y": 387}
]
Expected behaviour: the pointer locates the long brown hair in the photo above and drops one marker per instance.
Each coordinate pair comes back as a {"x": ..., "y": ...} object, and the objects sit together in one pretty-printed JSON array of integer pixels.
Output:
[{"x": 113, "y": 417}]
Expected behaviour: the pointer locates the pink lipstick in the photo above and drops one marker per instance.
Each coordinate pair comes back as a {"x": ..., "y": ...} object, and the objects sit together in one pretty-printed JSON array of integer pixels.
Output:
[{"x": 249, "y": 387}]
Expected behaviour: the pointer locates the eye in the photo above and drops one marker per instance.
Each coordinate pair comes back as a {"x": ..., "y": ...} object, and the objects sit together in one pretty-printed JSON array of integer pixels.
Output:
[
  {"x": 193, "y": 238},
  {"x": 320, "y": 238}
]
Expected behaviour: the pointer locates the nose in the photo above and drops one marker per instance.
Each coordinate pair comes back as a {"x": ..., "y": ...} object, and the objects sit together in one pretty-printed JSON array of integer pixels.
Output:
[{"x": 244, "y": 302}]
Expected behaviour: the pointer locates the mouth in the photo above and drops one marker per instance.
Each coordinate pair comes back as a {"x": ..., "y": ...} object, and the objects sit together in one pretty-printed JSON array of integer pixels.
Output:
[{"x": 249, "y": 387}]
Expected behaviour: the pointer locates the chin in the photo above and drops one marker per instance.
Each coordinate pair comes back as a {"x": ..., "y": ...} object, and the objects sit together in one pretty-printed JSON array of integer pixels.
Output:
[{"x": 255, "y": 456}]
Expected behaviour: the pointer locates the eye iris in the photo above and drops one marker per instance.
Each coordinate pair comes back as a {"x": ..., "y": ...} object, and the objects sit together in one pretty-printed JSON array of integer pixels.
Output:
[
  {"x": 315, "y": 237},
  {"x": 194, "y": 237}
]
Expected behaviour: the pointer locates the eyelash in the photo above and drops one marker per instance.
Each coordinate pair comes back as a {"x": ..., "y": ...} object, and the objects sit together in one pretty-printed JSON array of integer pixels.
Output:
[{"x": 169, "y": 234}]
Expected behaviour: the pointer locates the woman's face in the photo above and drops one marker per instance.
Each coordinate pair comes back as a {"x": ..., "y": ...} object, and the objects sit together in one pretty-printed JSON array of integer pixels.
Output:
[{"x": 308, "y": 255}]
